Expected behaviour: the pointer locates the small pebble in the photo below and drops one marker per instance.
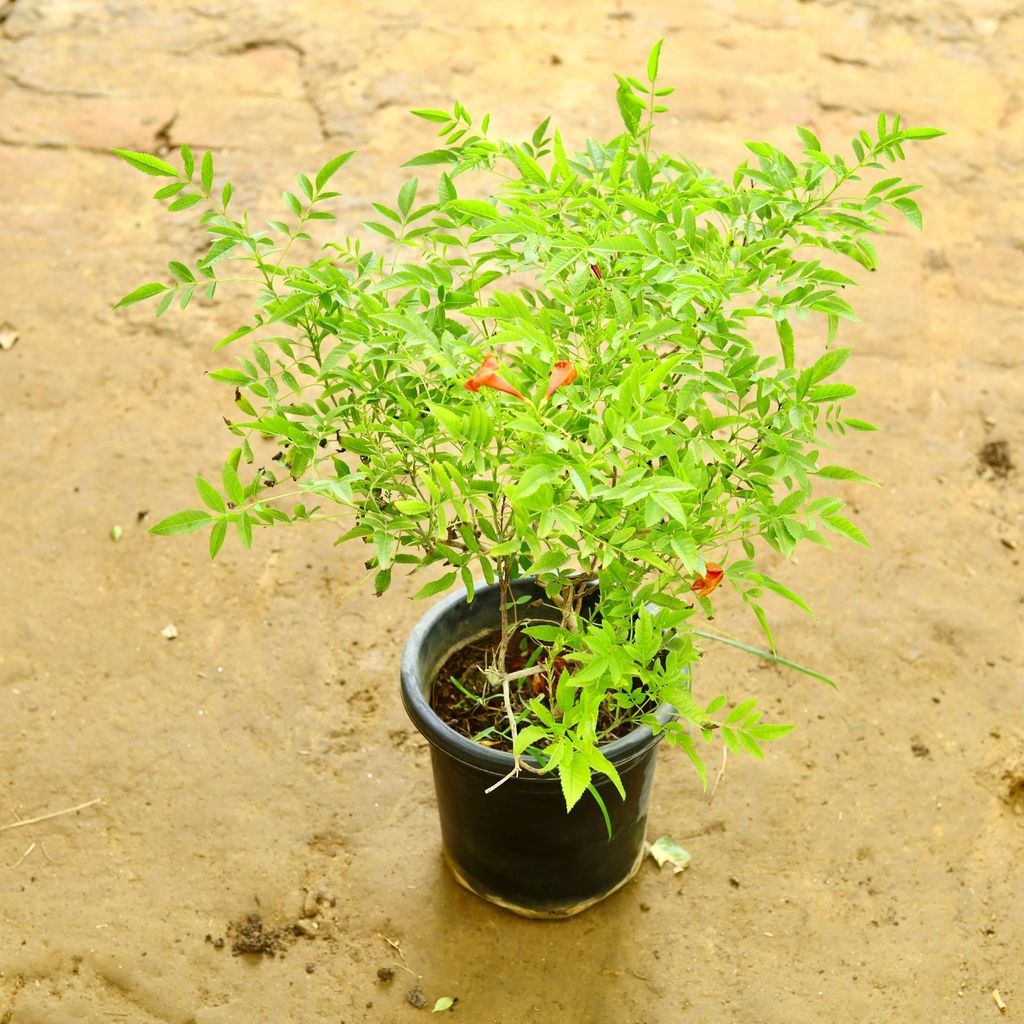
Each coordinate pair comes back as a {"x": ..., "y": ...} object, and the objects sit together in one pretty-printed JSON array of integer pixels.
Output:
[
  {"x": 169, "y": 632},
  {"x": 416, "y": 998},
  {"x": 307, "y": 928},
  {"x": 385, "y": 973},
  {"x": 310, "y": 968}
]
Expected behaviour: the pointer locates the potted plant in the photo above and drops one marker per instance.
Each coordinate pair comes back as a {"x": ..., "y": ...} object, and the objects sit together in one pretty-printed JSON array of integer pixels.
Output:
[{"x": 574, "y": 376}]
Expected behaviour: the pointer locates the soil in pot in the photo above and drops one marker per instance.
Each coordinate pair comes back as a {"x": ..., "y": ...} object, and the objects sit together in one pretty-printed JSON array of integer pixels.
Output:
[{"x": 464, "y": 697}]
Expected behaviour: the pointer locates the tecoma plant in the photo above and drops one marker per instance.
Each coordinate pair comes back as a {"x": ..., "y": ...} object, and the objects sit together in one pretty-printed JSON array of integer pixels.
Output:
[{"x": 562, "y": 380}]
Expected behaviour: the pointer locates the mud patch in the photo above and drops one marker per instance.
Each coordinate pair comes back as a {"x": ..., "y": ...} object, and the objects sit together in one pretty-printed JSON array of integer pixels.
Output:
[
  {"x": 1004, "y": 779},
  {"x": 994, "y": 458},
  {"x": 1013, "y": 789},
  {"x": 251, "y": 936}
]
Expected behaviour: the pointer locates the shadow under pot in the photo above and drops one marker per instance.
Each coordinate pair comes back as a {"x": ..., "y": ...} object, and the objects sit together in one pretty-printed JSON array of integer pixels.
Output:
[{"x": 516, "y": 846}]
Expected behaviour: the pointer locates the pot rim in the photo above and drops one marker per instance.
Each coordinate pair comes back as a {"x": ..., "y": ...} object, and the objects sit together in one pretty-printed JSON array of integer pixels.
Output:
[{"x": 499, "y": 762}]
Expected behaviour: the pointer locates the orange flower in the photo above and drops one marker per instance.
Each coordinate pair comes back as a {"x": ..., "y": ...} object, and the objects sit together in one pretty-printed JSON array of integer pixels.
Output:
[
  {"x": 562, "y": 372},
  {"x": 703, "y": 585},
  {"x": 487, "y": 377}
]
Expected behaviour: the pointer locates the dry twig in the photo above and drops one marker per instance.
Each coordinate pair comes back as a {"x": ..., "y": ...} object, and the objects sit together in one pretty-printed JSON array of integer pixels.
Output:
[{"x": 52, "y": 814}]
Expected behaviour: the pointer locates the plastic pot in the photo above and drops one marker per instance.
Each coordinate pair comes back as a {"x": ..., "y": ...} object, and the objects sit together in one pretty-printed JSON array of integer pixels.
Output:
[{"x": 517, "y": 847}]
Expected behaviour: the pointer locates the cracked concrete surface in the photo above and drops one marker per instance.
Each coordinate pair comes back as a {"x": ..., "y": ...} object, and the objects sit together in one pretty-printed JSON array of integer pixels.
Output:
[{"x": 264, "y": 754}]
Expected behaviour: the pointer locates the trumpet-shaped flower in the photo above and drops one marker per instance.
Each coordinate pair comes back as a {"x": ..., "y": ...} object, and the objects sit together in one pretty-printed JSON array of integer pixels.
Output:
[
  {"x": 487, "y": 377},
  {"x": 562, "y": 373},
  {"x": 713, "y": 575}
]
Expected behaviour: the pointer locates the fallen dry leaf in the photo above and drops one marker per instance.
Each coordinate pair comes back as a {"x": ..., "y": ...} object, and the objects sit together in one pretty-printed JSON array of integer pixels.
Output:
[
  {"x": 8, "y": 337},
  {"x": 666, "y": 850}
]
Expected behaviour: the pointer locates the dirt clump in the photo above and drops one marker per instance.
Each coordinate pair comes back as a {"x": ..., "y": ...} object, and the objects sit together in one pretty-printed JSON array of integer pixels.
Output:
[
  {"x": 252, "y": 936},
  {"x": 994, "y": 458},
  {"x": 1013, "y": 791}
]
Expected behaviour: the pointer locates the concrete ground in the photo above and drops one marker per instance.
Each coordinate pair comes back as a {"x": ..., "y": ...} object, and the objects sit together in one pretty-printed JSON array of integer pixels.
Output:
[{"x": 871, "y": 870}]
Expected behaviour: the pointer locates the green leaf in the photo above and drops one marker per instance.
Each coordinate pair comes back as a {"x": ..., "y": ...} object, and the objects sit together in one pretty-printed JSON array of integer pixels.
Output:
[
  {"x": 474, "y": 208},
  {"x": 910, "y": 210},
  {"x": 381, "y": 582},
  {"x": 785, "y": 332},
  {"x": 244, "y": 524},
  {"x": 762, "y": 621},
  {"x": 592, "y": 790},
  {"x": 619, "y": 243},
  {"x": 446, "y": 190},
  {"x": 562, "y": 165},
  {"x": 574, "y": 775},
  {"x": 209, "y": 495},
  {"x": 749, "y": 744},
  {"x": 840, "y": 524},
  {"x": 292, "y": 202},
  {"x": 233, "y": 336},
  {"x": 629, "y": 107},
  {"x": 184, "y": 202},
  {"x": 741, "y": 711},
  {"x": 533, "y": 478},
  {"x": 235, "y": 377},
  {"x": 436, "y": 587},
  {"x": 164, "y": 303},
  {"x": 443, "y": 1003},
  {"x": 232, "y": 485},
  {"x": 831, "y": 392},
  {"x": 147, "y": 164},
  {"x": 766, "y": 733},
  {"x": 829, "y": 363},
  {"x": 435, "y": 156},
  {"x": 287, "y": 306},
  {"x": 842, "y": 473},
  {"x": 809, "y": 139},
  {"x": 599, "y": 763},
  {"x": 330, "y": 168},
  {"x": 146, "y": 291},
  {"x": 217, "y": 535},
  {"x": 407, "y": 196},
  {"x": 169, "y": 190},
  {"x": 188, "y": 161},
  {"x": 181, "y": 272},
  {"x": 922, "y": 133},
  {"x": 528, "y": 736},
  {"x": 549, "y": 562},
  {"x": 188, "y": 521},
  {"x": 653, "y": 60},
  {"x": 859, "y": 425},
  {"x": 777, "y": 588},
  {"x": 671, "y": 505},
  {"x": 437, "y": 116},
  {"x": 206, "y": 171}
]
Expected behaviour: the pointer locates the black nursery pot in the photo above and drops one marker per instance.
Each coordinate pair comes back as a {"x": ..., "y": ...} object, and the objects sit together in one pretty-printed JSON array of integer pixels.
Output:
[{"x": 516, "y": 846}]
